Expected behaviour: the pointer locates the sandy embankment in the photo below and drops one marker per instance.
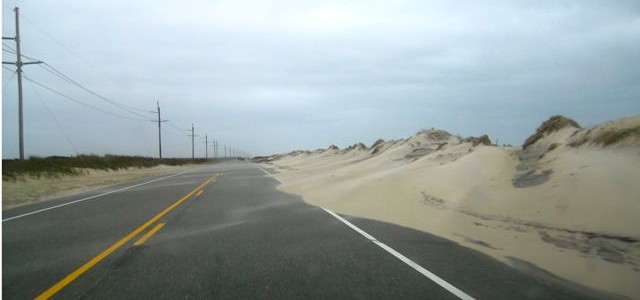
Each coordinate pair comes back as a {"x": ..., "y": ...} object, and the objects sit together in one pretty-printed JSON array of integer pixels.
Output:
[
  {"x": 569, "y": 203},
  {"x": 30, "y": 189}
]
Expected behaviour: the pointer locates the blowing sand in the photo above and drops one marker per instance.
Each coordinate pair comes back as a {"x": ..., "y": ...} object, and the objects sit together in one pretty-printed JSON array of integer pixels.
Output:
[
  {"x": 28, "y": 189},
  {"x": 568, "y": 203}
]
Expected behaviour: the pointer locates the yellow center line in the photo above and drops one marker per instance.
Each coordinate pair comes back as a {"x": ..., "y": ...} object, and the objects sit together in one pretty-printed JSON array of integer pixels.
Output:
[
  {"x": 88, "y": 265},
  {"x": 151, "y": 232},
  {"x": 199, "y": 192}
]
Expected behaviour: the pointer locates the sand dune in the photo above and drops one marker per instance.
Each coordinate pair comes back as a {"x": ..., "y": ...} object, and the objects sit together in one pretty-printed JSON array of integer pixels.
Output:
[{"x": 568, "y": 201}]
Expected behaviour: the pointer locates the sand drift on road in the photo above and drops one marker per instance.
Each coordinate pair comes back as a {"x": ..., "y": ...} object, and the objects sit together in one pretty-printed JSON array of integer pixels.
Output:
[{"x": 566, "y": 202}]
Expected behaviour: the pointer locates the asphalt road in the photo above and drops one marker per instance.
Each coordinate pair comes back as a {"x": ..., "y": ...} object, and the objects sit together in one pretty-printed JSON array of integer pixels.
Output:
[{"x": 227, "y": 233}]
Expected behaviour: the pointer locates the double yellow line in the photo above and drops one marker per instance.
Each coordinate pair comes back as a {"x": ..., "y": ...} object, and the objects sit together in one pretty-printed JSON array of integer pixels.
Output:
[{"x": 88, "y": 265}]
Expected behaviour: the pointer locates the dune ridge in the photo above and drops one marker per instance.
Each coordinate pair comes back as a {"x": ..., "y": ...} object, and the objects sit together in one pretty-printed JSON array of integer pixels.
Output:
[{"x": 567, "y": 201}]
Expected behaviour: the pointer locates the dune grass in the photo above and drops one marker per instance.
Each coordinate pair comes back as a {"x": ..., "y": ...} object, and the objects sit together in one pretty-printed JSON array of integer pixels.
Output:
[
  {"x": 605, "y": 137},
  {"x": 555, "y": 123},
  {"x": 54, "y": 166},
  {"x": 614, "y": 136}
]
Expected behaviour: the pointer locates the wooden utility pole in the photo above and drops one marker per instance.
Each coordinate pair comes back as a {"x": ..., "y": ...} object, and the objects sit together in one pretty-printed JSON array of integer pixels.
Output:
[
  {"x": 19, "y": 65},
  {"x": 193, "y": 135},
  {"x": 206, "y": 146},
  {"x": 159, "y": 131}
]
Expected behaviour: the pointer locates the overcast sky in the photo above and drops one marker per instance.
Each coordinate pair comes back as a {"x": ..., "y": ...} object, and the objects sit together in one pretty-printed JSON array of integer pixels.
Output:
[{"x": 274, "y": 76}]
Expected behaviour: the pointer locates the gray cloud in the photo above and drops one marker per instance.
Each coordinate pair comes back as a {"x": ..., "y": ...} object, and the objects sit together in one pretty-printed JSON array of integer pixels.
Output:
[{"x": 272, "y": 76}]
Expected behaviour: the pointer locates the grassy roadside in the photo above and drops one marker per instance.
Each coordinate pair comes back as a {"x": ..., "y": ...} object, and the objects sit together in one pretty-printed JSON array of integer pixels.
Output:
[
  {"x": 39, "y": 179},
  {"x": 56, "y": 166}
]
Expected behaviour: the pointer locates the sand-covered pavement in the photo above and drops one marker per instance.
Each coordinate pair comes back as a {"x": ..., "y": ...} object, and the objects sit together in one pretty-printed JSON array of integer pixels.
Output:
[
  {"x": 567, "y": 202},
  {"x": 30, "y": 189}
]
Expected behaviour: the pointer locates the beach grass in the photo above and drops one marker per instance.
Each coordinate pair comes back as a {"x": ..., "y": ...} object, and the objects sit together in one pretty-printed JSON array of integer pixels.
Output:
[{"x": 54, "y": 166}]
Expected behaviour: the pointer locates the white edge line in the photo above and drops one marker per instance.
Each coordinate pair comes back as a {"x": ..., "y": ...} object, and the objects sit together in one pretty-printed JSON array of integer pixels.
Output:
[
  {"x": 91, "y": 197},
  {"x": 433, "y": 277},
  {"x": 441, "y": 282},
  {"x": 270, "y": 175}
]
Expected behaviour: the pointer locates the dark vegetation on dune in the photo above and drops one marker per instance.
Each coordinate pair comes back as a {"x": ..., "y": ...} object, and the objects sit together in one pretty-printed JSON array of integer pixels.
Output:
[
  {"x": 554, "y": 124},
  {"x": 63, "y": 165},
  {"x": 612, "y": 137},
  {"x": 475, "y": 141},
  {"x": 606, "y": 137}
]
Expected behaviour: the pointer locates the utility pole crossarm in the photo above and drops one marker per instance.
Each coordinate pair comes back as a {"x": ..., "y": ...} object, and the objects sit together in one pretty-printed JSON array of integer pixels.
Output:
[{"x": 24, "y": 63}]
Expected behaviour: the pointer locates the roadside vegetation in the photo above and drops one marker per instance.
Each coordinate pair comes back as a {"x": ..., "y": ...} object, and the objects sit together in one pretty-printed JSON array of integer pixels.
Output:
[{"x": 54, "y": 166}]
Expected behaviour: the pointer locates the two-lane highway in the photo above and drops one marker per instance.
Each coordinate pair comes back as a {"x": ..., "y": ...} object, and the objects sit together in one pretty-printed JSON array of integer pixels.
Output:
[{"x": 225, "y": 232}]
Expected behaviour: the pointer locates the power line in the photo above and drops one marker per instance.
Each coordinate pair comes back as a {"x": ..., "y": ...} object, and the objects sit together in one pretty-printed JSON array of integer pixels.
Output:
[
  {"x": 68, "y": 79},
  {"x": 136, "y": 114},
  {"x": 174, "y": 126},
  {"x": 82, "y": 103},
  {"x": 55, "y": 119},
  {"x": 9, "y": 47},
  {"x": 13, "y": 75},
  {"x": 19, "y": 63},
  {"x": 9, "y": 51},
  {"x": 63, "y": 46},
  {"x": 30, "y": 58},
  {"x": 14, "y": 51},
  {"x": 47, "y": 67}
]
